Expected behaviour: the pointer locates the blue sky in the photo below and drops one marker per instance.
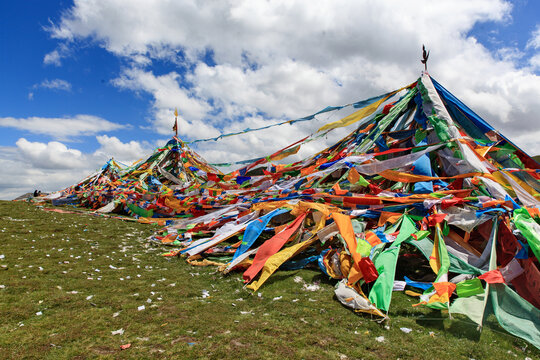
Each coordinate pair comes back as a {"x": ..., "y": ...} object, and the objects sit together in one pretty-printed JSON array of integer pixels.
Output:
[
  {"x": 88, "y": 70},
  {"x": 84, "y": 81}
]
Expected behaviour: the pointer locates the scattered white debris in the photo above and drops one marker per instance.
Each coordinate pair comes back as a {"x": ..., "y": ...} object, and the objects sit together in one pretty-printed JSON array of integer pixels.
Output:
[
  {"x": 89, "y": 297},
  {"x": 405, "y": 330},
  {"x": 205, "y": 294},
  {"x": 380, "y": 339},
  {"x": 2, "y": 256},
  {"x": 277, "y": 298},
  {"x": 39, "y": 313},
  {"x": 118, "y": 332},
  {"x": 141, "y": 308},
  {"x": 149, "y": 300},
  {"x": 298, "y": 279},
  {"x": 116, "y": 314},
  {"x": 312, "y": 287}
]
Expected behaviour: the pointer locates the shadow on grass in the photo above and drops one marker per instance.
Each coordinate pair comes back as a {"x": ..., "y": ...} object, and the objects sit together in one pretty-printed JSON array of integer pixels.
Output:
[
  {"x": 323, "y": 279},
  {"x": 278, "y": 277},
  {"x": 457, "y": 327}
]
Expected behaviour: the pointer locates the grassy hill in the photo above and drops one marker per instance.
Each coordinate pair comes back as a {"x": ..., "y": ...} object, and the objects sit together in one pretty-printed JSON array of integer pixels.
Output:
[{"x": 81, "y": 286}]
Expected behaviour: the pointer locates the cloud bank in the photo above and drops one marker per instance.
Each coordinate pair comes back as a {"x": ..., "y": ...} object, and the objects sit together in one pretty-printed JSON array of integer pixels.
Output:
[
  {"x": 62, "y": 128},
  {"x": 285, "y": 59}
]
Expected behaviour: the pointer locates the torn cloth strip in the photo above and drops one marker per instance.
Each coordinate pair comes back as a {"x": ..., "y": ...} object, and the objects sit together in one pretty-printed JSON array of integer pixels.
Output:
[
  {"x": 254, "y": 230},
  {"x": 271, "y": 246},
  {"x": 381, "y": 293}
]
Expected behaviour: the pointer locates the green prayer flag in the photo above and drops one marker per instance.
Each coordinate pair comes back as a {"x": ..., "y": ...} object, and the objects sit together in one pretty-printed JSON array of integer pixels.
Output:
[
  {"x": 140, "y": 211},
  {"x": 529, "y": 229},
  {"x": 363, "y": 247},
  {"x": 419, "y": 235},
  {"x": 362, "y": 181},
  {"x": 515, "y": 314},
  {"x": 472, "y": 307},
  {"x": 468, "y": 288},
  {"x": 381, "y": 293}
]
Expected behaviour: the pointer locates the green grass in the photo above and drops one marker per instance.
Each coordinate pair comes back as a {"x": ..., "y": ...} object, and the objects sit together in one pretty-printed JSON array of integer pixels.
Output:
[{"x": 51, "y": 264}]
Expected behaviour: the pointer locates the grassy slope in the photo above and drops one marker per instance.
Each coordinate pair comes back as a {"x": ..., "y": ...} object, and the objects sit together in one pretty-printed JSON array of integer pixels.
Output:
[{"x": 51, "y": 264}]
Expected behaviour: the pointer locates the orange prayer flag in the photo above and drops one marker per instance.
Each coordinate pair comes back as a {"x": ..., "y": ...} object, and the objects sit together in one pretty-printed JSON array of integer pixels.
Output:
[
  {"x": 353, "y": 176},
  {"x": 308, "y": 170},
  {"x": 338, "y": 189},
  {"x": 443, "y": 291},
  {"x": 372, "y": 238},
  {"x": 387, "y": 216}
]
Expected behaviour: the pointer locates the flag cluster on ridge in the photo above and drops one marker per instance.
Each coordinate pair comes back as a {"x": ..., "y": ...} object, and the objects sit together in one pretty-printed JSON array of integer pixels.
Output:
[{"x": 421, "y": 181}]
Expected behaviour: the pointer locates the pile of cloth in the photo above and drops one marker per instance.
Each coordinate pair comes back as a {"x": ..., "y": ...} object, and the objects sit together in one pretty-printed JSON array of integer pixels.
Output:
[{"x": 423, "y": 195}]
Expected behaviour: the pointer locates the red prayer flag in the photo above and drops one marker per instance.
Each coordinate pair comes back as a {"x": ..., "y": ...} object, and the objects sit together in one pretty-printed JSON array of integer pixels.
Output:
[
  {"x": 368, "y": 270},
  {"x": 270, "y": 247},
  {"x": 212, "y": 177},
  {"x": 492, "y": 277},
  {"x": 435, "y": 219}
]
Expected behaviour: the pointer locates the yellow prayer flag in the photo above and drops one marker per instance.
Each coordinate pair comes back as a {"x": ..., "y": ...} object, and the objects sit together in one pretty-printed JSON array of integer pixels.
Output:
[{"x": 360, "y": 114}]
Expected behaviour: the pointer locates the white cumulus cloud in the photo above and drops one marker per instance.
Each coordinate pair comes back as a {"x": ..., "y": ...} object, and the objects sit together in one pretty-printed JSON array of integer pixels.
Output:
[
  {"x": 55, "y": 84},
  {"x": 53, "y": 155},
  {"x": 54, "y": 166},
  {"x": 127, "y": 153},
  {"x": 61, "y": 128},
  {"x": 534, "y": 41}
]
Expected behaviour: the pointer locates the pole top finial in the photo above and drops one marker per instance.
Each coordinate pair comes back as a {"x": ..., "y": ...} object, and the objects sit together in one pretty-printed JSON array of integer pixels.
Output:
[
  {"x": 425, "y": 56},
  {"x": 175, "y": 127}
]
